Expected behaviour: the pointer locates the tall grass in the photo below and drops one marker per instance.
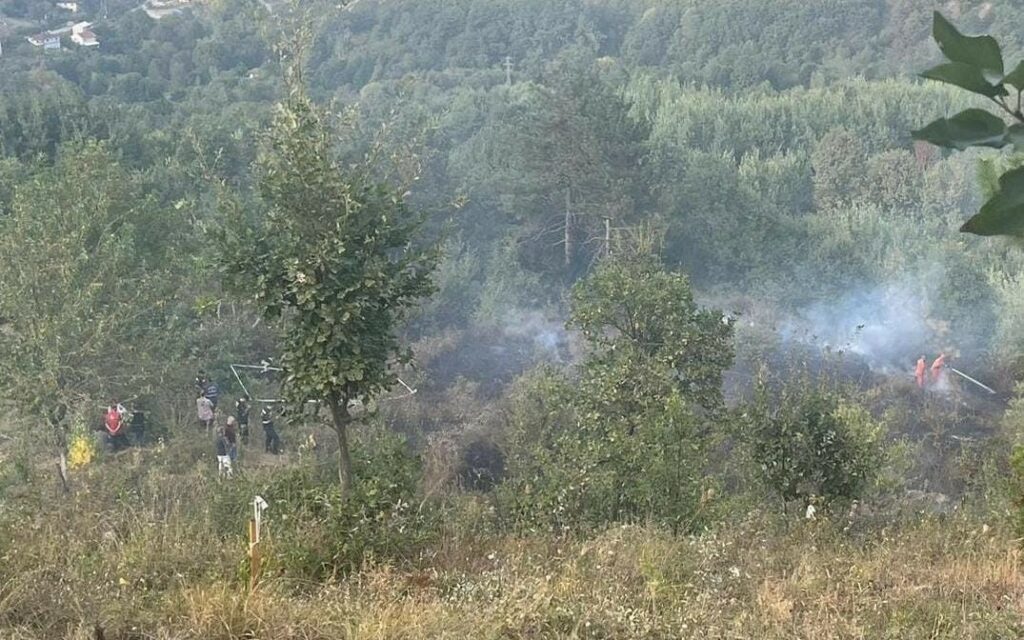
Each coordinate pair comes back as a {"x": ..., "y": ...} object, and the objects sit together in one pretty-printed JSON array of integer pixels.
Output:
[{"x": 147, "y": 547}]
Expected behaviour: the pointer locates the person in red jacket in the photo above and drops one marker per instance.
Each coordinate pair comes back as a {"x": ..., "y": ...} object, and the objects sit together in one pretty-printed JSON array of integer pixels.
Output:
[
  {"x": 920, "y": 371},
  {"x": 113, "y": 420}
]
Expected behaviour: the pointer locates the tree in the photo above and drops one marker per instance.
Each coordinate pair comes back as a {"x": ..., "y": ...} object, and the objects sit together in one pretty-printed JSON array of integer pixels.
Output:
[
  {"x": 85, "y": 294},
  {"x": 334, "y": 261},
  {"x": 631, "y": 304},
  {"x": 976, "y": 64},
  {"x": 564, "y": 157},
  {"x": 627, "y": 441},
  {"x": 838, "y": 167}
]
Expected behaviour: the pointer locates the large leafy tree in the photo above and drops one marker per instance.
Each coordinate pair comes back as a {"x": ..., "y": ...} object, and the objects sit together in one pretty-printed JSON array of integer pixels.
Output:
[
  {"x": 626, "y": 441},
  {"x": 975, "y": 63},
  {"x": 334, "y": 261},
  {"x": 631, "y": 307},
  {"x": 86, "y": 297}
]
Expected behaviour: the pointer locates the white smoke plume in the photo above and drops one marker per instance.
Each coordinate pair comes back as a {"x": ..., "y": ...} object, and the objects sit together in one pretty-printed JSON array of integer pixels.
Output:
[
  {"x": 548, "y": 334},
  {"x": 888, "y": 326}
]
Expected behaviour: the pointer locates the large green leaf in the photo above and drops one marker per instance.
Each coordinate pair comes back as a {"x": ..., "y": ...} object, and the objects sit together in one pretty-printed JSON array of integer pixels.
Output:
[
  {"x": 970, "y": 128},
  {"x": 965, "y": 76},
  {"x": 1015, "y": 136},
  {"x": 1016, "y": 77},
  {"x": 1003, "y": 215},
  {"x": 981, "y": 52}
]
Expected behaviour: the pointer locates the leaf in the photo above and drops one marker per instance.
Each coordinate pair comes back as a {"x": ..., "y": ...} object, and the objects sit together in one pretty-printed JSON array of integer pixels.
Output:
[
  {"x": 1015, "y": 135},
  {"x": 970, "y": 128},
  {"x": 965, "y": 76},
  {"x": 981, "y": 52},
  {"x": 1003, "y": 214},
  {"x": 1016, "y": 77}
]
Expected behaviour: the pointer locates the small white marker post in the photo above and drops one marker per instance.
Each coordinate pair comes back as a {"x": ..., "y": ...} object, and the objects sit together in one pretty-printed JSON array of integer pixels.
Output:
[{"x": 255, "y": 550}]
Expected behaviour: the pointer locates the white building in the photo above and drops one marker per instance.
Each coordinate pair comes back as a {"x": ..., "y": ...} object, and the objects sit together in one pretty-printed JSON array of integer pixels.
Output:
[
  {"x": 157, "y": 9},
  {"x": 46, "y": 40},
  {"x": 82, "y": 35}
]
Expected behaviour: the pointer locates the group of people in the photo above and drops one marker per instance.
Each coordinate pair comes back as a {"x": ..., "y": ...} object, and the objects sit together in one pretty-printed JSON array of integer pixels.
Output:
[
  {"x": 932, "y": 376},
  {"x": 235, "y": 428}
]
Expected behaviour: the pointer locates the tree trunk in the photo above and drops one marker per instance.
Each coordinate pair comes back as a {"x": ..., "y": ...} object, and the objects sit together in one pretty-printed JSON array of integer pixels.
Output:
[
  {"x": 62, "y": 472},
  {"x": 341, "y": 420}
]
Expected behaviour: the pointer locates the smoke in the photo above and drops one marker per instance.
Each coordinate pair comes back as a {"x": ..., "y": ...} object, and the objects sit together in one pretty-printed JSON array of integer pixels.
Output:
[
  {"x": 548, "y": 335},
  {"x": 888, "y": 326}
]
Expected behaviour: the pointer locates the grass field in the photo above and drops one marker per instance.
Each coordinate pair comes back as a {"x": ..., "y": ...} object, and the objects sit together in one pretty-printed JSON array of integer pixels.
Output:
[{"x": 144, "y": 549}]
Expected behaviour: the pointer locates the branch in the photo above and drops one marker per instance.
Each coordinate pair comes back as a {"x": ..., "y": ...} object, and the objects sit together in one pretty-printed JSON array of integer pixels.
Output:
[{"x": 1001, "y": 103}]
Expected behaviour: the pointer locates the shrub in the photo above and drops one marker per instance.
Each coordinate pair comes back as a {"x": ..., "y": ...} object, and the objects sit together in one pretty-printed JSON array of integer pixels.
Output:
[
  {"x": 315, "y": 532},
  {"x": 811, "y": 442},
  {"x": 626, "y": 441},
  {"x": 572, "y": 463}
]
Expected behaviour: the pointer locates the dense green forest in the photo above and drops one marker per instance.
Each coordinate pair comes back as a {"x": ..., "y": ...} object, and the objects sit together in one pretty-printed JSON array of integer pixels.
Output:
[{"x": 618, "y": 302}]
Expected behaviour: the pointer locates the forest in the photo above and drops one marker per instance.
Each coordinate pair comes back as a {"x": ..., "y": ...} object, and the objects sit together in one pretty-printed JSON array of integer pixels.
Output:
[{"x": 577, "y": 319}]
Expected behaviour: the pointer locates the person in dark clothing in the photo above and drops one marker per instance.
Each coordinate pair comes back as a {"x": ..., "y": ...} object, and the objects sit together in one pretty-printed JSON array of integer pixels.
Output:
[
  {"x": 271, "y": 441},
  {"x": 208, "y": 388},
  {"x": 242, "y": 416},
  {"x": 138, "y": 426},
  {"x": 222, "y": 449},
  {"x": 211, "y": 391},
  {"x": 231, "y": 435}
]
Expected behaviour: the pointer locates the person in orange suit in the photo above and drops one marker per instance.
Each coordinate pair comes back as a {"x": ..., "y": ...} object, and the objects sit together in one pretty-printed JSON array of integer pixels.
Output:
[
  {"x": 937, "y": 367},
  {"x": 920, "y": 372}
]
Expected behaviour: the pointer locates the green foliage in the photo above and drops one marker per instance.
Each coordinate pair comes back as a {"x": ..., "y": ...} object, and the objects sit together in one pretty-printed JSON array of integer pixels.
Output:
[
  {"x": 838, "y": 162},
  {"x": 631, "y": 307},
  {"x": 1012, "y": 428},
  {"x": 970, "y": 128},
  {"x": 977, "y": 66},
  {"x": 334, "y": 260},
  {"x": 626, "y": 442},
  {"x": 565, "y": 156},
  {"x": 574, "y": 461},
  {"x": 316, "y": 532},
  {"x": 1003, "y": 214},
  {"x": 981, "y": 52},
  {"x": 87, "y": 286},
  {"x": 810, "y": 442},
  {"x": 1017, "y": 486}
]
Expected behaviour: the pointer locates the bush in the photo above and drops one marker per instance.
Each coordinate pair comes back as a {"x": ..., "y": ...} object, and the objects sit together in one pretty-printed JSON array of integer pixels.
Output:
[
  {"x": 316, "y": 533},
  {"x": 626, "y": 442},
  {"x": 810, "y": 442},
  {"x": 572, "y": 464}
]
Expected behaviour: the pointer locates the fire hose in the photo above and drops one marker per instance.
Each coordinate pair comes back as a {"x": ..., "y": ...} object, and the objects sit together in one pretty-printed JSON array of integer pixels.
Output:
[{"x": 970, "y": 379}]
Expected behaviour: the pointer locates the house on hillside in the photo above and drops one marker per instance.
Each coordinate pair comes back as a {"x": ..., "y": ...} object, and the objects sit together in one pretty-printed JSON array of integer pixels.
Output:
[
  {"x": 82, "y": 35},
  {"x": 46, "y": 40},
  {"x": 70, "y": 6},
  {"x": 157, "y": 9}
]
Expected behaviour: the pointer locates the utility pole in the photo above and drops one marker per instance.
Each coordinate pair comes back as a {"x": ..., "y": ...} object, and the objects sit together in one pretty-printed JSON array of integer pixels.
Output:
[{"x": 508, "y": 70}]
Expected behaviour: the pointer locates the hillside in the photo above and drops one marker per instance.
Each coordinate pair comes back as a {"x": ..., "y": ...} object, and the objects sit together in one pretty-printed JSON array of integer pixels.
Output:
[{"x": 591, "y": 319}]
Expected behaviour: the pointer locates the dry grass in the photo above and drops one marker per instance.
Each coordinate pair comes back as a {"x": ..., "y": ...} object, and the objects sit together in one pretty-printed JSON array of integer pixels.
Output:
[
  {"x": 155, "y": 567},
  {"x": 930, "y": 580}
]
